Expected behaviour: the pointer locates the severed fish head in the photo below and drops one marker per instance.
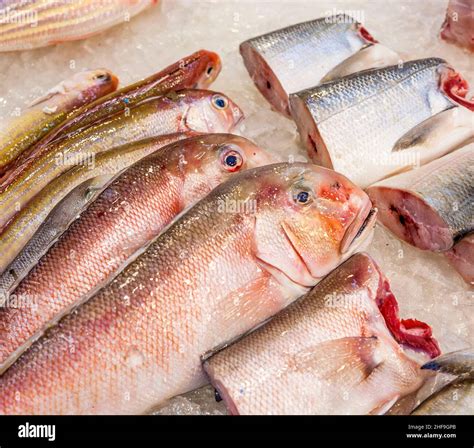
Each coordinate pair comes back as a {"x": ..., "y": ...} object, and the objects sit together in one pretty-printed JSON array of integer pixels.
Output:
[
  {"x": 308, "y": 220},
  {"x": 207, "y": 111}
]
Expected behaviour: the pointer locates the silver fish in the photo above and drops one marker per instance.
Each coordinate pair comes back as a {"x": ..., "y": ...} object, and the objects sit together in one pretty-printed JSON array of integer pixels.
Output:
[
  {"x": 372, "y": 124},
  {"x": 300, "y": 56},
  {"x": 431, "y": 207}
]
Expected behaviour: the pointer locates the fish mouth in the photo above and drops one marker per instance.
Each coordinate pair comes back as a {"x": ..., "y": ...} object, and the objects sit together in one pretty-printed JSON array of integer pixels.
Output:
[
  {"x": 221, "y": 392},
  {"x": 360, "y": 228},
  {"x": 237, "y": 116}
]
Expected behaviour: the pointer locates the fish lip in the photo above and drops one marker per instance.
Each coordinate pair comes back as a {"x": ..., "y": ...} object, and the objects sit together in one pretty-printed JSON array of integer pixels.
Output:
[
  {"x": 364, "y": 222},
  {"x": 238, "y": 115}
]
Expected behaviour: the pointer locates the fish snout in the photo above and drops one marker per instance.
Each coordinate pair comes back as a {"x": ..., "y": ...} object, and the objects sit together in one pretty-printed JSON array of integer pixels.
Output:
[{"x": 360, "y": 228}]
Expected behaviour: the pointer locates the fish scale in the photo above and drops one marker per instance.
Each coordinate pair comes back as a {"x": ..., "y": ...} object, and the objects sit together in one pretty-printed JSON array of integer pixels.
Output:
[
  {"x": 49, "y": 111},
  {"x": 368, "y": 114},
  {"x": 328, "y": 353},
  {"x": 431, "y": 207},
  {"x": 138, "y": 341},
  {"x": 128, "y": 214},
  {"x": 189, "y": 111},
  {"x": 63, "y": 21}
]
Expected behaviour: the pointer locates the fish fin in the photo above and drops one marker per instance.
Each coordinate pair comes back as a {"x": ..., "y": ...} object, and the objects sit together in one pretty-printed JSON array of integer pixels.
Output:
[
  {"x": 59, "y": 89},
  {"x": 369, "y": 57},
  {"x": 352, "y": 359},
  {"x": 459, "y": 363},
  {"x": 438, "y": 135},
  {"x": 421, "y": 133}
]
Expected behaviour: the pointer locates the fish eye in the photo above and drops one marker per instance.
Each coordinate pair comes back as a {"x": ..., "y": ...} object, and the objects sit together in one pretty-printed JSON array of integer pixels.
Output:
[
  {"x": 219, "y": 102},
  {"x": 209, "y": 70},
  {"x": 231, "y": 159},
  {"x": 103, "y": 77},
  {"x": 302, "y": 197}
]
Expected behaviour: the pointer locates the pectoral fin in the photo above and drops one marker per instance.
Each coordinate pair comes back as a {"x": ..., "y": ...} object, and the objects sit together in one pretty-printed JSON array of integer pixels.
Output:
[
  {"x": 438, "y": 135},
  {"x": 348, "y": 360},
  {"x": 372, "y": 56}
]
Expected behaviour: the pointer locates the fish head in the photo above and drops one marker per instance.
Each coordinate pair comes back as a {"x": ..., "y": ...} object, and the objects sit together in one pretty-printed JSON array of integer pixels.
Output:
[
  {"x": 205, "y": 161},
  {"x": 309, "y": 220},
  {"x": 209, "y": 112},
  {"x": 94, "y": 83},
  {"x": 209, "y": 65}
]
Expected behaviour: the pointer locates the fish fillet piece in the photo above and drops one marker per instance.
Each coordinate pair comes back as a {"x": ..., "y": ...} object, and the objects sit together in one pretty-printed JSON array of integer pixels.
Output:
[
  {"x": 48, "y": 111},
  {"x": 129, "y": 213},
  {"x": 187, "y": 111},
  {"x": 32, "y": 23},
  {"x": 197, "y": 70},
  {"x": 430, "y": 207},
  {"x": 461, "y": 257},
  {"x": 241, "y": 254},
  {"x": 459, "y": 24},
  {"x": 392, "y": 119},
  {"x": 298, "y": 57},
  {"x": 331, "y": 352}
]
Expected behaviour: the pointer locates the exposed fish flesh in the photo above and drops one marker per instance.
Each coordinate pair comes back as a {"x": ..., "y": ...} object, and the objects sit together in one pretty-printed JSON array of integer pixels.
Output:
[
  {"x": 105, "y": 166},
  {"x": 298, "y": 57},
  {"x": 430, "y": 207},
  {"x": 198, "y": 70},
  {"x": 245, "y": 251},
  {"x": 331, "y": 352},
  {"x": 391, "y": 118},
  {"x": 128, "y": 214},
  {"x": 46, "y": 112},
  {"x": 459, "y": 23},
  {"x": 187, "y": 111},
  {"x": 32, "y": 23},
  {"x": 461, "y": 257}
]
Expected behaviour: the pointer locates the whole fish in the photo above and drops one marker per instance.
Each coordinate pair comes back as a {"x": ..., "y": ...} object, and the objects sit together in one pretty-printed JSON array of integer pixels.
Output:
[
  {"x": 298, "y": 57},
  {"x": 32, "y": 23},
  {"x": 461, "y": 257},
  {"x": 331, "y": 352},
  {"x": 130, "y": 212},
  {"x": 245, "y": 251},
  {"x": 430, "y": 207},
  {"x": 66, "y": 211},
  {"x": 459, "y": 23},
  {"x": 198, "y": 70},
  {"x": 104, "y": 166},
  {"x": 186, "y": 111},
  {"x": 48, "y": 111},
  {"x": 391, "y": 118}
]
